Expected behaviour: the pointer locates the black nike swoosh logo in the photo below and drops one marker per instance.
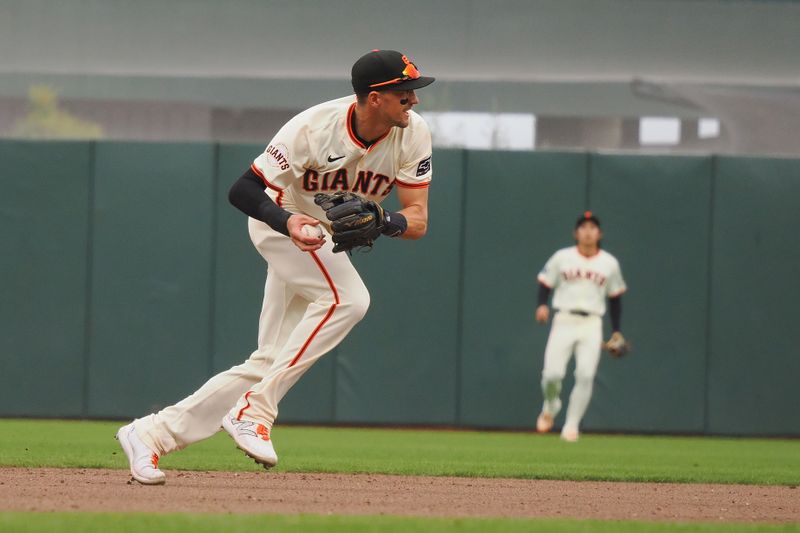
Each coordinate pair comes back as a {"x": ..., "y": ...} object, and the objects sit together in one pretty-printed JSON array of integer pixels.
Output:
[{"x": 331, "y": 159}]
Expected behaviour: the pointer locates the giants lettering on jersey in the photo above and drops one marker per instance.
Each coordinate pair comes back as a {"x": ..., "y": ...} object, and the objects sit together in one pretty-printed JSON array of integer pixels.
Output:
[
  {"x": 579, "y": 273},
  {"x": 365, "y": 183},
  {"x": 278, "y": 156}
]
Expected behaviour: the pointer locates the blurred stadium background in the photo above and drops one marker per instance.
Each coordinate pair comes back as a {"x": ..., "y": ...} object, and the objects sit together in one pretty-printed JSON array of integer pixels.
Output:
[
  {"x": 667, "y": 75},
  {"x": 676, "y": 120}
]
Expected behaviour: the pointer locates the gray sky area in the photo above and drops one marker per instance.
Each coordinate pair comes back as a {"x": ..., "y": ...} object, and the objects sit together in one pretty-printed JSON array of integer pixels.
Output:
[{"x": 720, "y": 41}]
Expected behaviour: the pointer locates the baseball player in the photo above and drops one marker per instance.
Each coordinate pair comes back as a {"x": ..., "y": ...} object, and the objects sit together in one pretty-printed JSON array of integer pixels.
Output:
[
  {"x": 583, "y": 276},
  {"x": 364, "y": 145}
]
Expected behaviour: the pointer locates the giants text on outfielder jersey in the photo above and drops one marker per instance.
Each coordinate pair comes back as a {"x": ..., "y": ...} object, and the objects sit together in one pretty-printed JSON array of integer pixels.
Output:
[
  {"x": 582, "y": 283},
  {"x": 317, "y": 151}
]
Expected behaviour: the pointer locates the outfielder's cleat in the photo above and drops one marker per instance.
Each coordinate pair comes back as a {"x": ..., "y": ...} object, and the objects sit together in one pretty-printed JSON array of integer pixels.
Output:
[
  {"x": 544, "y": 423},
  {"x": 252, "y": 438},
  {"x": 569, "y": 435},
  {"x": 143, "y": 460}
]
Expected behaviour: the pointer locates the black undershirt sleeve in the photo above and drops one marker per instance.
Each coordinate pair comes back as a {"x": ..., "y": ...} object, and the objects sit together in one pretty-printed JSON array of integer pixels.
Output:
[
  {"x": 248, "y": 196},
  {"x": 544, "y": 294},
  {"x": 615, "y": 312}
]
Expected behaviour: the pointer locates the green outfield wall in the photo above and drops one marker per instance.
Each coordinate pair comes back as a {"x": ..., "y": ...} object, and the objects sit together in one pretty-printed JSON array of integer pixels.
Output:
[{"x": 126, "y": 280}]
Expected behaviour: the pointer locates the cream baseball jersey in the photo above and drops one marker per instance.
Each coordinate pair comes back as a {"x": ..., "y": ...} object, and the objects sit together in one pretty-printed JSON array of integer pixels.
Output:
[
  {"x": 582, "y": 283},
  {"x": 318, "y": 151}
]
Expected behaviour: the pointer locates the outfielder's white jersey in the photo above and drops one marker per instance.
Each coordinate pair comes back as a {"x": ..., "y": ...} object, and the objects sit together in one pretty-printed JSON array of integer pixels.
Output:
[
  {"x": 318, "y": 151},
  {"x": 582, "y": 283}
]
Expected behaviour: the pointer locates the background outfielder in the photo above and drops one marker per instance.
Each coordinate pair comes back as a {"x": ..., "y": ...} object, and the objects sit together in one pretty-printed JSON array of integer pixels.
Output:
[
  {"x": 364, "y": 146},
  {"x": 582, "y": 277}
]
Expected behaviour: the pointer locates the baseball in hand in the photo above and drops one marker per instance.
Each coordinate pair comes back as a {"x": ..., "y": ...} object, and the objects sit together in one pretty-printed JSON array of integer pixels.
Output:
[{"x": 312, "y": 231}]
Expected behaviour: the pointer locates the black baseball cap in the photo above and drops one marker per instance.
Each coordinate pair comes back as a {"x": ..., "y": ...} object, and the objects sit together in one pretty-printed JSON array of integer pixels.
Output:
[
  {"x": 386, "y": 70},
  {"x": 587, "y": 216}
]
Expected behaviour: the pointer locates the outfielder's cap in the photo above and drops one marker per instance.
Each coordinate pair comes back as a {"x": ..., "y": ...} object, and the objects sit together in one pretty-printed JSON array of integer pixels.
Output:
[
  {"x": 386, "y": 70},
  {"x": 587, "y": 216}
]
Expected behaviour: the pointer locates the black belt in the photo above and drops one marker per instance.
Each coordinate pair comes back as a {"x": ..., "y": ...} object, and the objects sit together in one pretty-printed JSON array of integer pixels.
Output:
[{"x": 576, "y": 312}]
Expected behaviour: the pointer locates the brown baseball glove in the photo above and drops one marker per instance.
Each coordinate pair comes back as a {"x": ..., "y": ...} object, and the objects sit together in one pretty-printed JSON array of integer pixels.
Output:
[
  {"x": 355, "y": 221},
  {"x": 617, "y": 345}
]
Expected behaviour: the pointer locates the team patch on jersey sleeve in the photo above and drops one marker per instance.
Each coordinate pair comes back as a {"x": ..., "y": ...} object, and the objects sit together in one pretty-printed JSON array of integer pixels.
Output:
[
  {"x": 424, "y": 166},
  {"x": 278, "y": 156}
]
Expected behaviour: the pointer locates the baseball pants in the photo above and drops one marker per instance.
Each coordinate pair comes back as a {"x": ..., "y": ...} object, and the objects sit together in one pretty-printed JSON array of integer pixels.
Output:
[
  {"x": 581, "y": 335},
  {"x": 311, "y": 301}
]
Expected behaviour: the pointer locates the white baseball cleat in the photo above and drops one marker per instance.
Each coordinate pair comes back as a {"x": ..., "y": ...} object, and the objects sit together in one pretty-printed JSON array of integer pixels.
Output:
[
  {"x": 143, "y": 460},
  {"x": 544, "y": 423},
  {"x": 252, "y": 438},
  {"x": 569, "y": 435}
]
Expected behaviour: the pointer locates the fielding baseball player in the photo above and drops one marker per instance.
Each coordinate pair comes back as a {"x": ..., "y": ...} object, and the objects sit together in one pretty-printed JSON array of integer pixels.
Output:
[
  {"x": 323, "y": 175},
  {"x": 582, "y": 277}
]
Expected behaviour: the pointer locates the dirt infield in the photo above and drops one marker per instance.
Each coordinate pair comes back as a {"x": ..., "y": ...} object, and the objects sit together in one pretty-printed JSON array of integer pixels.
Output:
[{"x": 50, "y": 489}]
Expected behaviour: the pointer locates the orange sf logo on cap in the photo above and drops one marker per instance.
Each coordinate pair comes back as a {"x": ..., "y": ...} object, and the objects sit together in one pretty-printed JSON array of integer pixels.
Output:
[{"x": 411, "y": 70}]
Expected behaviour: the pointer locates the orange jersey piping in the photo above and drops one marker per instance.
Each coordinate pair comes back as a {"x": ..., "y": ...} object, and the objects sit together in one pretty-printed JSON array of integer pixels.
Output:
[
  {"x": 328, "y": 315},
  {"x": 279, "y": 199},
  {"x": 352, "y": 134},
  {"x": 412, "y": 185},
  {"x": 243, "y": 409}
]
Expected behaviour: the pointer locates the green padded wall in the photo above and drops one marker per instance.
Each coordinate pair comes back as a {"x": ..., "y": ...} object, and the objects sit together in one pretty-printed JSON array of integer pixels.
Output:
[
  {"x": 398, "y": 365},
  {"x": 655, "y": 216},
  {"x": 239, "y": 271},
  {"x": 520, "y": 207},
  {"x": 239, "y": 276},
  {"x": 754, "y": 361},
  {"x": 151, "y": 280},
  {"x": 45, "y": 190},
  {"x": 138, "y": 281}
]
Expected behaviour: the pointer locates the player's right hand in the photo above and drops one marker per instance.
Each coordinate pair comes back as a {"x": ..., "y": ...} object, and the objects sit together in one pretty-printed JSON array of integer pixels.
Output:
[
  {"x": 301, "y": 240},
  {"x": 542, "y": 314}
]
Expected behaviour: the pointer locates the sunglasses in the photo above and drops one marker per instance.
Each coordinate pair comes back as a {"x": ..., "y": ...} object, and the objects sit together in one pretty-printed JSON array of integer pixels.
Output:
[{"x": 409, "y": 73}]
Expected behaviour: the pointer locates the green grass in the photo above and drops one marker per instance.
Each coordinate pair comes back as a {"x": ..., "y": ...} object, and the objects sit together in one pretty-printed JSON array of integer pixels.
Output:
[
  {"x": 102, "y": 522},
  {"x": 37, "y": 443}
]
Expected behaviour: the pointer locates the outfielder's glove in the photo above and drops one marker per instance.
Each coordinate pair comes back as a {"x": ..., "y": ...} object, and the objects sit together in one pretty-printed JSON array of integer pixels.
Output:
[
  {"x": 617, "y": 346},
  {"x": 355, "y": 221}
]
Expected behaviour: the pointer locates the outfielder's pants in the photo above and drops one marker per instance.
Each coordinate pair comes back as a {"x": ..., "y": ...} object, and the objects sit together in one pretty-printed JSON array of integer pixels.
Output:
[
  {"x": 581, "y": 335},
  {"x": 311, "y": 301}
]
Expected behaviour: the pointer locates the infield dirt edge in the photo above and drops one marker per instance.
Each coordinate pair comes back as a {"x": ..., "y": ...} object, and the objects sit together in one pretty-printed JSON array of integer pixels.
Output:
[{"x": 105, "y": 490}]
